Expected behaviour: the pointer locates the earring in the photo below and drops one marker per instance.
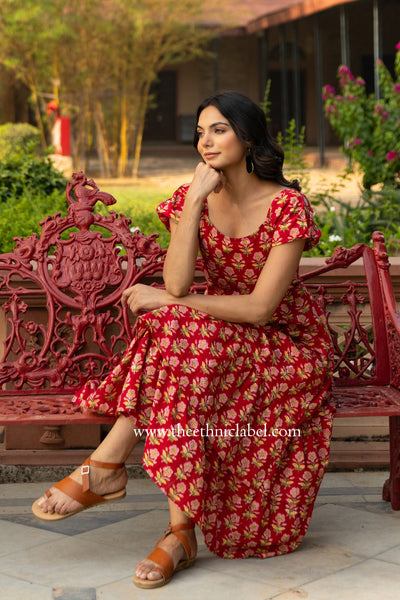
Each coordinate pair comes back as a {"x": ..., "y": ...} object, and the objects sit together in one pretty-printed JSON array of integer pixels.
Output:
[{"x": 249, "y": 164}]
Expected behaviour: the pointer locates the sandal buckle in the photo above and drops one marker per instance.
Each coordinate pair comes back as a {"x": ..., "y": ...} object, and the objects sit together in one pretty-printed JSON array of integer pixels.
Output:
[{"x": 85, "y": 470}]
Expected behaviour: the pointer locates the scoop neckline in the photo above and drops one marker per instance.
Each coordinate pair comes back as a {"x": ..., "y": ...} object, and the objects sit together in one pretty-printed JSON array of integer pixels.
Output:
[{"x": 244, "y": 237}]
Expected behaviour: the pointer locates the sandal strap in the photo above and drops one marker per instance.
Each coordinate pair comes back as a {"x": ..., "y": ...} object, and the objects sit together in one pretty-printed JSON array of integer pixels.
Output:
[
  {"x": 172, "y": 529},
  {"x": 74, "y": 490},
  {"x": 184, "y": 543},
  {"x": 175, "y": 530},
  {"x": 103, "y": 465},
  {"x": 181, "y": 526},
  {"x": 164, "y": 563},
  {"x": 85, "y": 470}
]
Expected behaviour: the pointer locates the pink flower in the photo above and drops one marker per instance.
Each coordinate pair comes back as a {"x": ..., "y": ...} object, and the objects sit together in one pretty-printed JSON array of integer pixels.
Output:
[
  {"x": 392, "y": 155},
  {"x": 345, "y": 76},
  {"x": 328, "y": 92},
  {"x": 354, "y": 142},
  {"x": 370, "y": 153},
  {"x": 331, "y": 109},
  {"x": 398, "y": 46},
  {"x": 380, "y": 110},
  {"x": 396, "y": 88},
  {"x": 359, "y": 81},
  {"x": 345, "y": 72}
]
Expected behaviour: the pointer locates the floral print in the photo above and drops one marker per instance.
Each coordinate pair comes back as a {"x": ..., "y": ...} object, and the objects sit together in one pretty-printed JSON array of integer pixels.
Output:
[{"x": 238, "y": 417}]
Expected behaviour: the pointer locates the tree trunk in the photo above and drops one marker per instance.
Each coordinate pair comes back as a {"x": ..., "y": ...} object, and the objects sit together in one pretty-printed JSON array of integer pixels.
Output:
[
  {"x": 38, "y": 116},
  {"x": 102, "y": 145},
  {"x": 140, "y": 128},
  {"x": 81, "y": 126},
  {"x": 123, "y": 137}
]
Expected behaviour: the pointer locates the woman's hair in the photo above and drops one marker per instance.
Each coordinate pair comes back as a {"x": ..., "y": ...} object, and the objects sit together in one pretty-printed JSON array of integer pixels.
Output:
[{"x": 249, "y": 123}]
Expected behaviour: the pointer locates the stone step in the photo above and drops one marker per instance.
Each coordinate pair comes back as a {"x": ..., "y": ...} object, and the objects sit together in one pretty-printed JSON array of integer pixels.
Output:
[{"x": 18, "y": 466}]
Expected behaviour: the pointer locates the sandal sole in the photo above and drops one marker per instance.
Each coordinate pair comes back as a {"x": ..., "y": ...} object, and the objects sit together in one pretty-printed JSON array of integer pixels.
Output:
[
  {"x": 157, "y": 583},
  {"x": 44, "y": 516}
]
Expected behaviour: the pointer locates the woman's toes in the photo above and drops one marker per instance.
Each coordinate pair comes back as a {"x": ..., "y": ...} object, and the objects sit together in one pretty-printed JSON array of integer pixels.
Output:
[
  {"x": 45, "y": 505},
  {"x": 153, "y": 575},
  {"x": 147, "y": 571}
]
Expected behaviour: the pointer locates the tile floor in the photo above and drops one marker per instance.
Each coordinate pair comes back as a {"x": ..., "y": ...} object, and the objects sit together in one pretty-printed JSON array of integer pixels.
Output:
[{"x": 351, "y": 550}]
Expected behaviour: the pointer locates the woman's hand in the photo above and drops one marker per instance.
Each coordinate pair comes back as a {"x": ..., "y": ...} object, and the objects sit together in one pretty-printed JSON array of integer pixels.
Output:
[
  {"x": 144, "y": 298},
  {"x": 206, "y": 179}
]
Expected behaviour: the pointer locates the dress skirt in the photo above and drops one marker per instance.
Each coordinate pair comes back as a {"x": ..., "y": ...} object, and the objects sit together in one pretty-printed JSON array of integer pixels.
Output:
[{"x": 237, "y": 416}]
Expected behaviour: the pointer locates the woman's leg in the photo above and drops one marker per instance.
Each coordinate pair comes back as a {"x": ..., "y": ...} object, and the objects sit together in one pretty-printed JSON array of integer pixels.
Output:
[
  {"x": 171, "y": 544},
  {"x": 115, "y": 448}
]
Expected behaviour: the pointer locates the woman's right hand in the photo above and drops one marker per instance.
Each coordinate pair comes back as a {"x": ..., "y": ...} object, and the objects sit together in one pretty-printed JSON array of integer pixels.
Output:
[
  {"x": 205, "y": 180},
  {"x": 180, "y": 261}
]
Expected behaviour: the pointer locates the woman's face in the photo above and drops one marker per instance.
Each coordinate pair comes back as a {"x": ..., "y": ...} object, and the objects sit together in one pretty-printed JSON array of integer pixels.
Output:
[{"x": 218, "y": 144}]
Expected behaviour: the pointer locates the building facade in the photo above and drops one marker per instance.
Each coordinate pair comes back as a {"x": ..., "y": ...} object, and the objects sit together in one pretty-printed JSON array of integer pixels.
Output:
[{"x": 297, "y": 46}]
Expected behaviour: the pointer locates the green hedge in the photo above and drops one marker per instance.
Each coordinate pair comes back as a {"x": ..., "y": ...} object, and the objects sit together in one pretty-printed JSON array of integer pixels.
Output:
[
  {"x": 30, "y": 189},
  {"x": 18, "y": 138}
]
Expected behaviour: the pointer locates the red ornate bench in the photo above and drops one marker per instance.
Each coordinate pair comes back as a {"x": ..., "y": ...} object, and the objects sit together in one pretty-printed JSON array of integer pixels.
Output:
[{"x": 78, "y": 269}]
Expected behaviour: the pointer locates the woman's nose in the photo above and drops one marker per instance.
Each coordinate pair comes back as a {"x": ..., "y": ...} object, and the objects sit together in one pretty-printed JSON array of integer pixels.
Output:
[{"x": 205, "y": 139}]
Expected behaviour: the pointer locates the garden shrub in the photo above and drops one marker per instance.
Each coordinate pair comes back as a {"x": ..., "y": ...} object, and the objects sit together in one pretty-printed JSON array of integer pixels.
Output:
[
  {"x": 16, "y": 138},
  {"x": 27, "y": 173},
  {"x": 20, "y": 215},
  {"x": 369, "y": 130},
  {"x": 30, "y": 189}
]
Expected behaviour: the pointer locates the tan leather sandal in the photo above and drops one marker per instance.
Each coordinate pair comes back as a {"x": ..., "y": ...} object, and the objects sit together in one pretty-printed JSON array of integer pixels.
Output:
[
  {"x": 164, "y": 561},
  {"x": 80, "y": 493}
]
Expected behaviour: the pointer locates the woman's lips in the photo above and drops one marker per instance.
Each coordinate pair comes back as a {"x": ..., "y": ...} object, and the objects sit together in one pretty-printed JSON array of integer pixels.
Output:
[{"x": 210, "y": 154}]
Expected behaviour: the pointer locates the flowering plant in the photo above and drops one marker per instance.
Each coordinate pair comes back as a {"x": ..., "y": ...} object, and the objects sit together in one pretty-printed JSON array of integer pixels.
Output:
[{"x": 368, "y": 127}]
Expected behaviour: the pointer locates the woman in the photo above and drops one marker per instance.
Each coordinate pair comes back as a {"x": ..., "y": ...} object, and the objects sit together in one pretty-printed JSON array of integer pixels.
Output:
[{"x": 238, "y": 378}]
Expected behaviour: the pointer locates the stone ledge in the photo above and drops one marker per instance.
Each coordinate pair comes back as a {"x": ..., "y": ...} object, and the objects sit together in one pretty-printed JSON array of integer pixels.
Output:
[{"x": 42, "y": 465}]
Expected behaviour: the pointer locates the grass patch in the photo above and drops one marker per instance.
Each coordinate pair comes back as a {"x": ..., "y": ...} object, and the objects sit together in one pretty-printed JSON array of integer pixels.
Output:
[{"x": 139, "y": 202}]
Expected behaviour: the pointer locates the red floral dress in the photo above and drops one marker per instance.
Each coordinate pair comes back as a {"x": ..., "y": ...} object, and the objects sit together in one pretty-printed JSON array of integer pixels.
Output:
[{"x": 218, "y": 397}]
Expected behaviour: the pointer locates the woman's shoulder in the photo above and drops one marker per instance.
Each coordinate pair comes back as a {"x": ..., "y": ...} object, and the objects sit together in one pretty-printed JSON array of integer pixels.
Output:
[
  {"x": 292, "y": 218},
  {"x": 290, "y": 200},
  {"x": 291, "y": 195},
  {"x": 181, "y": 190},
  {"x": 172, "y": 207}
]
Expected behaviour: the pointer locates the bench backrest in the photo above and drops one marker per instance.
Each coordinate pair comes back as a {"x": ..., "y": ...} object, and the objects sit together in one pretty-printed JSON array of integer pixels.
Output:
[
  {"x": 60, "y": 294},
  {"x": 63, "y": 321},
  {"x": 356, "y": 313}
]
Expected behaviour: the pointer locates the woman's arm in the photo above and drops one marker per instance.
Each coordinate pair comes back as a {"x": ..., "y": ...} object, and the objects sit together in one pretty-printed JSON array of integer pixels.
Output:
[
  {"x": 256, "y": 308},
  {"x": 180, "y": 261},
  {"x": 259, "y": 306}
]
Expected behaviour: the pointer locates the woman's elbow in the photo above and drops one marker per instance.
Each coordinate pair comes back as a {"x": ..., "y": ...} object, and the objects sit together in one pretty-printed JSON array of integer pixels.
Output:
[
  {"x": 176, "y": 289},
  {"x": 259, "y": 314},
  {"x": 260, "y": 320}
]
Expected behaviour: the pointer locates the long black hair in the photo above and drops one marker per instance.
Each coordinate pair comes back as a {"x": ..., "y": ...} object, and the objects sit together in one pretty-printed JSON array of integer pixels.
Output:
[{"x": 249, "y": 123}]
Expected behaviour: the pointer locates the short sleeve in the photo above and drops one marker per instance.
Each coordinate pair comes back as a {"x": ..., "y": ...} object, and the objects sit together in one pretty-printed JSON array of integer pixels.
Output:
[
  {"x": 172, "y": 208},
  {"x": 292, "y": 219}
]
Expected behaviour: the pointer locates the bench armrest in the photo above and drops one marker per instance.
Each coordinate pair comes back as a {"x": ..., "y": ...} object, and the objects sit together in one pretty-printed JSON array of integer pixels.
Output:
[{"x": 392, "y": 315}]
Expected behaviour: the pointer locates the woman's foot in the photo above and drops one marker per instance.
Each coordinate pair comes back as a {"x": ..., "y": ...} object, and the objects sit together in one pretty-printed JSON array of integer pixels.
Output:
[
  {"x": 170, "y": 543},
  {"x": 101, "y": 481}
]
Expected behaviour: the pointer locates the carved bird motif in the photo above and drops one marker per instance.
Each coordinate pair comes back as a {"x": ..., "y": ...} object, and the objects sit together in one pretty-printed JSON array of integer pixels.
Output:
[{"x": 86, "y": 193}]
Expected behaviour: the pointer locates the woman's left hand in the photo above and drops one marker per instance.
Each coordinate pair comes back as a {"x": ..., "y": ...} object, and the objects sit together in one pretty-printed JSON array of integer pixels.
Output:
[{"x": 144, "y": 298}]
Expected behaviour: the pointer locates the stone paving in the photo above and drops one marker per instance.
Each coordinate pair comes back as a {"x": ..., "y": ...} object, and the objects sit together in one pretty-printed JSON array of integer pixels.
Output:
[{"x": 351, "y": 550}]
